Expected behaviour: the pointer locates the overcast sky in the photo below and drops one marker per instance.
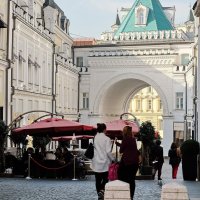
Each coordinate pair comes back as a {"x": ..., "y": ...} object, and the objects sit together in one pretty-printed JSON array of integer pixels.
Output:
[{"x": 89, "y": 18}]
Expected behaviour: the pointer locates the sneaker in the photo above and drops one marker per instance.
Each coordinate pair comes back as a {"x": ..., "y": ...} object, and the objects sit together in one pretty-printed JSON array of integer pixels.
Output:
[
  {"x": 160, "y": 179},
  {"x": 101, "y": 195}
]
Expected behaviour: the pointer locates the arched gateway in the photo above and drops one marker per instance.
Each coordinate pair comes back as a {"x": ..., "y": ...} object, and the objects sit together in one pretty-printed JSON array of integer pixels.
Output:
[{"x": 133, "y": 55}]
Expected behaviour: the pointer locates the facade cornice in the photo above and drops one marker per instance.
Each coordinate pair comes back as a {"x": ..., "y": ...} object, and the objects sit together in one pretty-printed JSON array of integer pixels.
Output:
[
  {"x": 20, "y": 14},
  {"x": 146, "y": 36},
  {"x": 31, "y": 93},
  {"x": 60, "y": 32},
  {"x": 66, "y": 63},
  {"x": 160, "y": 61},
  {"x": 40, "y": 32},
  {"x": 131, "y": 52}
]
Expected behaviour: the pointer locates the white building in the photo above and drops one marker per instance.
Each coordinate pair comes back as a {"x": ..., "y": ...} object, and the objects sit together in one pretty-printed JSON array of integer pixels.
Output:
[
  {"x": 197, "y": 52},
  {"x": 66, "y": 74},
  {"x": 41, "y": 74},
  {"x": 3, "y": 58},
  {"x": 142, "y": 50}
]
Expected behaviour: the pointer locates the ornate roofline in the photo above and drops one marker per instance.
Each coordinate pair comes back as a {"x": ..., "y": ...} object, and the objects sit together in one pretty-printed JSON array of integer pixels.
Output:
[{"x": 144, "y": 36}]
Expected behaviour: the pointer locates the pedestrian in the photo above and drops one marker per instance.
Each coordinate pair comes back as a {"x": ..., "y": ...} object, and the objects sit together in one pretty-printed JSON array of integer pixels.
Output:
[
  {"x": 159, "y": 159},
  {"x": 129, "y": 162},
  {"x": 102, "y": 159},
  {"x": 174, "y": 159}
]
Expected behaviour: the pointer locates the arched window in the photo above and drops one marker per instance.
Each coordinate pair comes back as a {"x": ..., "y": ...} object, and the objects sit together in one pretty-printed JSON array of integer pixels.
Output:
[
  {"x": 140, "y": 16},
  {"x": 58, "y": 19}
]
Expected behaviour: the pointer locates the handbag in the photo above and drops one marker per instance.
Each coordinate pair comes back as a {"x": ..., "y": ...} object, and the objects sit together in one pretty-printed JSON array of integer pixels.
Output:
[
  {"x": 113, "y": 171},
  {"x": 89, "y": 153}
]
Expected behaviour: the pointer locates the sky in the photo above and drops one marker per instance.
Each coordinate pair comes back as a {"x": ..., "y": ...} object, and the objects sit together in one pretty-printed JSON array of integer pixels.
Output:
[{"x": 89, "y": 18}]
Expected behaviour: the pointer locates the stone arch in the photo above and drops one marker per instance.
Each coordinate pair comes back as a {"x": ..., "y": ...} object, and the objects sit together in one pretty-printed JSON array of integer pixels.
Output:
[{"x": 141, "y": 80}]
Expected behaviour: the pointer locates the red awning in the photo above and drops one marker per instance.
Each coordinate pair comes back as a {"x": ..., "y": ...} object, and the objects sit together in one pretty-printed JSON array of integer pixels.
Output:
[
  {"x": 55, "y": 127},
  {"x": 115, "y": 128}
]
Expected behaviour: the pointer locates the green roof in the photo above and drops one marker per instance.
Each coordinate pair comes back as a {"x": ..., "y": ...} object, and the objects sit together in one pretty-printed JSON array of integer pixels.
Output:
[{"x": 156, "y": 20}]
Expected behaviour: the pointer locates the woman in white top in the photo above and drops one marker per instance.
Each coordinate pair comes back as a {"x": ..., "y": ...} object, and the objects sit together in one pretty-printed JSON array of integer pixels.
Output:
[{"x": 102, "y": 159}]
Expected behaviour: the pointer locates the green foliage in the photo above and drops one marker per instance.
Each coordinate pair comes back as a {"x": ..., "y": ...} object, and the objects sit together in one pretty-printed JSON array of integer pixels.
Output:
[
  {"x": 64, "y": 144},
  {"x": 190, "y": 147},
  {"x": 39, "y": 141},
  {"x": 147, "y": 133},
  {"x": 18, "y": 139},
  {"x": 3, "y": 129}
]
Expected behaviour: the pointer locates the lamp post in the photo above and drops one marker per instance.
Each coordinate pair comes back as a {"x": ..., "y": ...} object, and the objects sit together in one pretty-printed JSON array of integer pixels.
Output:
[{"x": 74, "y": 145}]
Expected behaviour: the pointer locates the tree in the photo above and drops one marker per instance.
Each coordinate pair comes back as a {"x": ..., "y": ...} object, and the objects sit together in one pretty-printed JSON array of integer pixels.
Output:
[
  {"x": 40, "y": 141},
  {"x": 146, "y": 136},
  {"x": 3, "y": 135}
]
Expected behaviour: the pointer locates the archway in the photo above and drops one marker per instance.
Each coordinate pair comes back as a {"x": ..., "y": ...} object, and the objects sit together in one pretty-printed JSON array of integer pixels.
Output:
[{"x": 113, "y": 97}]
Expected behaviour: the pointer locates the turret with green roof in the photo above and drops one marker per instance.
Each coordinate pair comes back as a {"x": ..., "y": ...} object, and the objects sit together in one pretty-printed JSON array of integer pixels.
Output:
[{"x": 145, "y": 15}]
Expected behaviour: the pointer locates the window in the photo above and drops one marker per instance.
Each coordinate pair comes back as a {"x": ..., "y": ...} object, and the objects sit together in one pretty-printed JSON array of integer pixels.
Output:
[
  {"x": 138, "y": 104},
  {"x": 79, "y": 61},
  {"x": 20, "y": 105},
  {"x": 185, "y": 59},
  {"x": 30, "y": 105},
  {"x": 160, "y": 124},
  {"x": 140, "y": 17},
  {"x": 36, "y": 104},
  {"x": 149, "y": 89},
  {"x": 85, "y": 100},
  {"x": 36, "y": 70},
  {"x": 149, "y": 104},
  {"x": 21, "y": 72},
  {"x": 179, "y": 100},
  {"x": 30, "y": 80},
  {"x": 159, "y": 105}
]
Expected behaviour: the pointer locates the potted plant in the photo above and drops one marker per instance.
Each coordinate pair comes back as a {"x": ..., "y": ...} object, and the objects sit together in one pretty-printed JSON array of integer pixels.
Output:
[
  {"x": 189, "y": 151},
  {"x": 146, "y": 136},
  {"x": 3, "y": 135}
]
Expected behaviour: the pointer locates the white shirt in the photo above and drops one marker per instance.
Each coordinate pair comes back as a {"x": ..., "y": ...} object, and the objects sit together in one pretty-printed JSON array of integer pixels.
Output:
[{"x": 102, "y": 153}]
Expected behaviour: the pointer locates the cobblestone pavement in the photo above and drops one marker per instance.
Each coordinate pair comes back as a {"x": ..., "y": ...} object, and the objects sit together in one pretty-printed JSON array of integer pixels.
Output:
[{"x": 47, "y": 189}]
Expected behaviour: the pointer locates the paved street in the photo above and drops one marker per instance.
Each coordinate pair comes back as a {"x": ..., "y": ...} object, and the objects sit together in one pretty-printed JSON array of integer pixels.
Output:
[{"x": 47, "y": 189}]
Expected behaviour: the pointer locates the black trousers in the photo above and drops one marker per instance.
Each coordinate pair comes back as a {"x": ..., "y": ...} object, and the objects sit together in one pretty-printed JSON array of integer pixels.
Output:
[
  {"x": 127, "y": 174},
  {"x": 158, "y": 167},
  {"x": 101, "y": 180}
]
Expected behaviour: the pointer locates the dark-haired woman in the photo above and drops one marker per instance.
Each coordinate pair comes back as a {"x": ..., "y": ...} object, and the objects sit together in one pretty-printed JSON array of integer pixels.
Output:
[
  {"x": 174, "y": 159},
  {"x": 102, "y": 159},
  {"x": 130, "y": 159}
]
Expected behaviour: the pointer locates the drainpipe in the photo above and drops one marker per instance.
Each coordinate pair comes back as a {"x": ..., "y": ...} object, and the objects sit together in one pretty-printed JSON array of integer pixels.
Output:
[
  {"x": 195, "y": 101},
  {"x": 78, "y": 107},
  {"x": 185, "y": 117},
  {"x": 79, "y": 76},
  {"x": 53, "y": 80},
  {"x": 56, "y": 72},
  {"x": 10, "y": 39}
]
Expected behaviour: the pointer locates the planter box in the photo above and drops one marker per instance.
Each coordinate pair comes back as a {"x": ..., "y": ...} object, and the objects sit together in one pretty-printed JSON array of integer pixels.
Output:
[
  {"x": 6, "y": 175},
  {"x": 146, "y": 170}
]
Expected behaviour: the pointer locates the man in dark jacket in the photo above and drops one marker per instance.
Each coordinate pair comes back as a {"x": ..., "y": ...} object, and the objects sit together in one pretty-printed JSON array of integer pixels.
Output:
[{"x": 159, "y": 159}]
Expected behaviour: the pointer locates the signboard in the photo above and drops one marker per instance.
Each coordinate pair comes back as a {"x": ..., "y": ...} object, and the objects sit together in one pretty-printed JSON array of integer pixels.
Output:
[{"x": 178, "y": 126}]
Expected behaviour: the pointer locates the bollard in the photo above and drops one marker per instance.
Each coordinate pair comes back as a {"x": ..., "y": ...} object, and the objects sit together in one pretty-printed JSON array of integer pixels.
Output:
[
  {"x": 174, "y": 191},
  {"x": 74, "y": 179},
  {"x": 116, "y": 190},
  {"x": 29, "y": 167}
]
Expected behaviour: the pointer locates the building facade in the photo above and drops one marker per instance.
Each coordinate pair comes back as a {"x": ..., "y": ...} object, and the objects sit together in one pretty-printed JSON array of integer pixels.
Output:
[
  {"x": 146, "y": 105},
  {"x": 143, "y": 49},
  {"x": 66, "y": 73},
  {"x": 3, "y": 57},
  {"x": 41, "y": 74},
  {"x": 196, "y": 8}
]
